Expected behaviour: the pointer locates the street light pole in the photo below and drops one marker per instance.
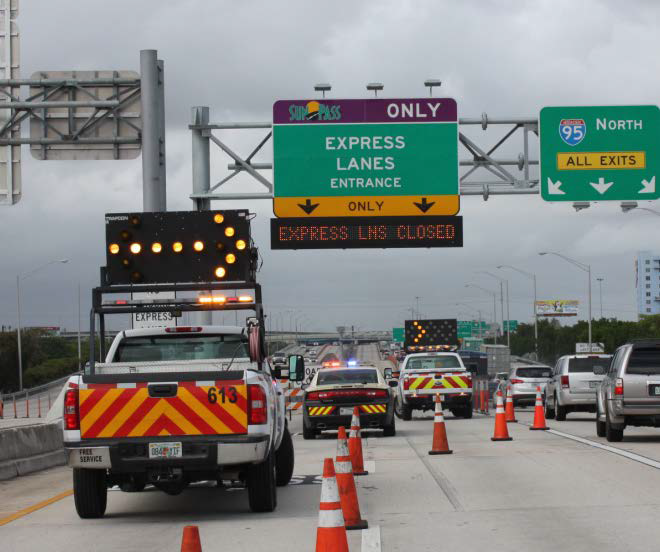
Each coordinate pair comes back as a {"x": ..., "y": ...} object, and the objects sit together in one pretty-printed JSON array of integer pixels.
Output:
[
  {"x": 581, "y": 266},
  {"x": 600, "y": 286},
  {"x": 534, "y": 314},
  {"x": 508, "y": 324},
  {"x": 20, "y": 277},
  {"x": 494, "y": 294}
]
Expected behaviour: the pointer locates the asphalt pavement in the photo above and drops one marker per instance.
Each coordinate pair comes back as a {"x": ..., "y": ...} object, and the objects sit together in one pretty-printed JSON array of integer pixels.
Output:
[{"x": 541, "y": 491}]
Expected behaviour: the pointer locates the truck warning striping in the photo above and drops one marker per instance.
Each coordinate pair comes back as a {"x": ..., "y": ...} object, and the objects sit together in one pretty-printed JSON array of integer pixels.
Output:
[
  {"x": 110, "y": 411},
  {"x": 374, "y": 408},
  {"x": 34, "y": 508}
]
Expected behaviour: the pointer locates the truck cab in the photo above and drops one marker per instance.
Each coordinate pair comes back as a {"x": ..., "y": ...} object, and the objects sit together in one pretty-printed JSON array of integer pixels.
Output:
[{"x": 423, "y": 375}]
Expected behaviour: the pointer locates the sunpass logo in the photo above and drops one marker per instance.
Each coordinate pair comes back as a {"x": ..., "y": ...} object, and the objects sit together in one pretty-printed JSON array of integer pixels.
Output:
[{"x": 314, "y": 111}]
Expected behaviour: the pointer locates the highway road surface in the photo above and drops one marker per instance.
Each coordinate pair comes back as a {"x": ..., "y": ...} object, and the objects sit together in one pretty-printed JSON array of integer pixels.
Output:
[{"x": 541, "y": 491}]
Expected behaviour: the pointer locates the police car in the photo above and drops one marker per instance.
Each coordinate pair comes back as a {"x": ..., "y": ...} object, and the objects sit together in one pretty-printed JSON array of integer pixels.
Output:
[{"x": 336, "y": 389}]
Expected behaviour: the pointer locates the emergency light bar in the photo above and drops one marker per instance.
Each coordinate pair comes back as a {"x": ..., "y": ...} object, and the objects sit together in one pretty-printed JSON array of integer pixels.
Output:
[
  {"x": 331, "y": 364},
  {"x": 203, "y": 300}
]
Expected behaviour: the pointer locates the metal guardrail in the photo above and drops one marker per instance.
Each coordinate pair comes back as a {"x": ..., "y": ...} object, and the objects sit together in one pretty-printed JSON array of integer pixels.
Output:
[{"x": 34, "y": 402}]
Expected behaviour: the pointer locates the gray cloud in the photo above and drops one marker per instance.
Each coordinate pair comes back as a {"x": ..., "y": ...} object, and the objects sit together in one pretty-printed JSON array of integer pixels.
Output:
[{"x": 503, "y": 57}]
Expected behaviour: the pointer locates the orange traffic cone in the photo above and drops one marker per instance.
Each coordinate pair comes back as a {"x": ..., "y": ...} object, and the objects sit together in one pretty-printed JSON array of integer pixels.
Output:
[
  {"x": 440, "y": 444},
  {"x": 190, "y": 541},
  {"x": 501, "y": 431},
  {"x": 355, "y": 444},
  {"x": 346, "y": 483},
  {"x": 509, "y": 412},
  {"x": 331, "y": 533},
  {"x": 539, "y": 414}
]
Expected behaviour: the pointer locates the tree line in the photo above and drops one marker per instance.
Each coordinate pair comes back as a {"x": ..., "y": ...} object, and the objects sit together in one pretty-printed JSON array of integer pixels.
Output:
[{"x": 556, "y": 340}]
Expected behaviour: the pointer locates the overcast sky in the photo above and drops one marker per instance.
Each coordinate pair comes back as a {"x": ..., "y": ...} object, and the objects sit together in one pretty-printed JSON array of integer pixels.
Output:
[{"x": 506, "y": 58}]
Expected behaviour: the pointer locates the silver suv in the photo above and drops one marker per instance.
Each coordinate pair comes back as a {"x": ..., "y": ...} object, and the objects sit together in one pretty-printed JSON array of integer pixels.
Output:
[
  {"x": 630, "y": 391},
  {"x": 572, "y": 388},
  {"x": 524, "y": 380}
]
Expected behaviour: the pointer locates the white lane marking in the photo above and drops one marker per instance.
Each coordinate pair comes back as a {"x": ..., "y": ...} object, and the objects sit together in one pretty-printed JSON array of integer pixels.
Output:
[
  {"x": 626, "y": 454},
  {"x": 370, "y": 466},
  {"x": 371, "y": 539}
]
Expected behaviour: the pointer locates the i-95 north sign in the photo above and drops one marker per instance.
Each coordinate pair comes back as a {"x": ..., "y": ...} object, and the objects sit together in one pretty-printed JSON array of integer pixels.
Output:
[{"x": 599, "y": 153}]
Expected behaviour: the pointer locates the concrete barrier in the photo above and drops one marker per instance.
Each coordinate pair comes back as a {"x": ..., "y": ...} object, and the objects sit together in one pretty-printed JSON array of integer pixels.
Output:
[{"x": 30, "y": 448}]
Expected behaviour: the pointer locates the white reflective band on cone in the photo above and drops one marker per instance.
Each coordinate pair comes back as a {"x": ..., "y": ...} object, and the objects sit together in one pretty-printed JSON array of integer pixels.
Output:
[
  {"x": 342, "y": 448},
  {"x": 343, "y": 467},
  {"x": 331, "y": 518},
  {"x": 329, "y": 490}
]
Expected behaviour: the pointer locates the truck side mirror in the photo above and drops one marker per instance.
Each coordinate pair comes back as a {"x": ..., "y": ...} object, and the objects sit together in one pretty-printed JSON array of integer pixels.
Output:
[
  {"x": 296, "y": 368},
  {"x": 393, "y": 383},
  {"x": 387, "y": 373}
]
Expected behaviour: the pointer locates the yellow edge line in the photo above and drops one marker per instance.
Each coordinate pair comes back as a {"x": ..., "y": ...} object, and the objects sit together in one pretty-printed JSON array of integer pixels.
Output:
[{"x": 35, "y": 507}]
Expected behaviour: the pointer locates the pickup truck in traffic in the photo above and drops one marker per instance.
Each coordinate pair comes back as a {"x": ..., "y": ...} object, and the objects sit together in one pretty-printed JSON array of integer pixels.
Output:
[
  {"x": 171, "y": 406},
  {"x": 423, "y": 375}
]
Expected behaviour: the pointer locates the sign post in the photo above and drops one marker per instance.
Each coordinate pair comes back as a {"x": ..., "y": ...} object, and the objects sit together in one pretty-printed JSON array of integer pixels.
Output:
[
  {"x": 604, "y": 153},
  {"x": 365, "y": 158}
]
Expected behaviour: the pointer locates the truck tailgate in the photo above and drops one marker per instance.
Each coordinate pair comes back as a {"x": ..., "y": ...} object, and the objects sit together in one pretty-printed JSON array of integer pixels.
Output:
[
  {"x": 437, "y": 382},
  {"x": 150, "y": 409}
]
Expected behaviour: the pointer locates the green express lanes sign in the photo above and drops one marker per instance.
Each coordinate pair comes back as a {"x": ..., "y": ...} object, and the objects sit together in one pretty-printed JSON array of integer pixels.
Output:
[
  {"x": 377, "y": 157},
  {"x": 605, "y": 153}
]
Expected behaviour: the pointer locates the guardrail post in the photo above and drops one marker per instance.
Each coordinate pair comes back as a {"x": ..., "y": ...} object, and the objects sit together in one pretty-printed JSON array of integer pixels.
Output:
[
  {"x": 27, "y": 404},
  {"x": 15, "y": 413}
]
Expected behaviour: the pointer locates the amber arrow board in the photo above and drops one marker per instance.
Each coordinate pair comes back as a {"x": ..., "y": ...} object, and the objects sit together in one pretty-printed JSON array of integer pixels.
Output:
[{"x": 377, "y": 157}]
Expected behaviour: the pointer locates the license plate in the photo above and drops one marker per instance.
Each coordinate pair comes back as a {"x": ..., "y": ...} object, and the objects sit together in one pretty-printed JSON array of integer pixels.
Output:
[
  {"x": 593, "y": 384},
  {"x": 654, "y": 390},
  {"x": 346, "y": 411},
  {"x": 165, "y": 450}
]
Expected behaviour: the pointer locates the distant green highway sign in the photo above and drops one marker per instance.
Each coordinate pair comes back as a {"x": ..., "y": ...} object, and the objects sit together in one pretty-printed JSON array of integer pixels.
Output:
[
  {"x": 512, "y": 323},
  {"x": 469, "y": 328},
  {"x": 599, "y": 153},
  {"x": 398, "y": 335}
]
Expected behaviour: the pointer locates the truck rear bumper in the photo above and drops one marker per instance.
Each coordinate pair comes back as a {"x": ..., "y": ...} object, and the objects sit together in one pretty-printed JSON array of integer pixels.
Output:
[
  {"x": 427, "y": 401},
  {"x": 198, "y": 453}
]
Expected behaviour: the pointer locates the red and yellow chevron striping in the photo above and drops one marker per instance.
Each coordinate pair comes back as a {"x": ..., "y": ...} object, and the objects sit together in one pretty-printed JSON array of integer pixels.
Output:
[
  {"x": 374, "y": 408},
  {"x": 320, "y": 410},
  {"x": 199, "y": 408},
  {"x": 418, "y": 383}
]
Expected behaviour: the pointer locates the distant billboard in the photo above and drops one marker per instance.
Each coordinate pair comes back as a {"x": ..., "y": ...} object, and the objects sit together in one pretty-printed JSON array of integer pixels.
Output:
[{"x": 557, "y": 307}]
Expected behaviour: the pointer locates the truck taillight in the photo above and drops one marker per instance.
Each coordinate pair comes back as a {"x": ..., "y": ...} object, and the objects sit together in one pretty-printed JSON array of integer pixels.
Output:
[
  {"x": 618, "y": 387},
  {"x": 564, "y": 382},
  {"x": 313, "y": 396},
  {"x": 257, "y": 405},
  {"x": 71, "y": 414}
]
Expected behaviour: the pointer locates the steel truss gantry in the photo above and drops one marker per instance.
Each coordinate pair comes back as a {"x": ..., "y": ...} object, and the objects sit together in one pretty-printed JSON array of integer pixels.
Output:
[{"x": 480, "y": 157}]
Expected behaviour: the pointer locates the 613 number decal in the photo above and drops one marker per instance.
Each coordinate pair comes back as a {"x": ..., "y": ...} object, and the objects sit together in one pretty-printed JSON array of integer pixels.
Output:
[{"x": 225, "y": 394}]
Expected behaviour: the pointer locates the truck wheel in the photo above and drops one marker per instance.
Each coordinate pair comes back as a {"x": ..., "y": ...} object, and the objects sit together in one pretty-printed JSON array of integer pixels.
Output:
[
  {"x": 467, "y": 411},
  {"x": 560, "y": 411},
  {"x": 549, "y": 412},
  {"x": 308, "y": 433},
  {"x": 600, "y": 428},
  {"x": 284, "y": 459},
  {"x": 261, "y": 485},
  {"x": 390, "y": 430},
  {"x": 611, "y": 434},
  {"x": 90, "y": 492},
  {"x": 403, "y": 411}
]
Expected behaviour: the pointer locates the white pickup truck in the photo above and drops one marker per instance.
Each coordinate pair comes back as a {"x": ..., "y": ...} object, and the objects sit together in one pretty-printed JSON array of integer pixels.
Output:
[
  {"x": 423, "y": 375},
  {"x": 171, "y": 406}
]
